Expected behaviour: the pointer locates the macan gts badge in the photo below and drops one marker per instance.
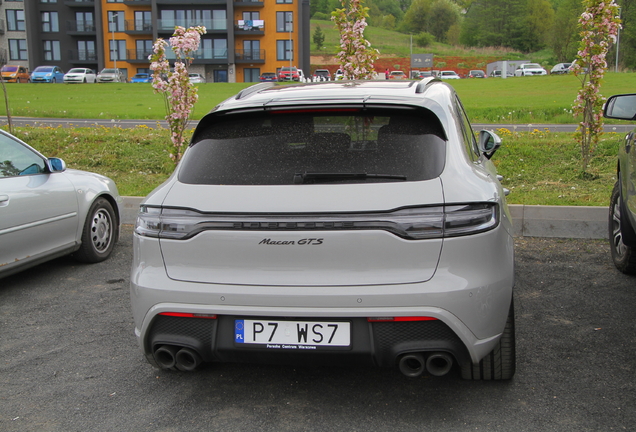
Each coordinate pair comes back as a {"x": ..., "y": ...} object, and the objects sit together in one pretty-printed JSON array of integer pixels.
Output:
[{"x": 344, "y": 222}]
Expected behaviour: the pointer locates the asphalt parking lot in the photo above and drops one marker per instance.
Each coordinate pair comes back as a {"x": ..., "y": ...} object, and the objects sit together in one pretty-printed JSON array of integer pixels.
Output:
[{"x": 69, "y": 362}]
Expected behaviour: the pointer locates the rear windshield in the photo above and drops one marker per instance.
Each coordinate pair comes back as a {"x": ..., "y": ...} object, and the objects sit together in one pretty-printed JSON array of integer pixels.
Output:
[{"x": 274, "y": 149}]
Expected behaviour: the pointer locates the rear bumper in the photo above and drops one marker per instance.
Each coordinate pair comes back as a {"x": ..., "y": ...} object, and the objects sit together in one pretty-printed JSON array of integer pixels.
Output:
[{"x": 469, "y": 296}]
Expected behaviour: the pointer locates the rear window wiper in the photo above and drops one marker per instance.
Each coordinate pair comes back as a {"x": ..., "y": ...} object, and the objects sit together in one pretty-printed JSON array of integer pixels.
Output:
[{"x": 306, "y": 177}]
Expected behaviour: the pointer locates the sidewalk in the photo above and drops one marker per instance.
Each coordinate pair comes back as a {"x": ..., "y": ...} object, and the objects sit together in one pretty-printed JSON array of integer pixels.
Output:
[{"x": 528, "y": 221}]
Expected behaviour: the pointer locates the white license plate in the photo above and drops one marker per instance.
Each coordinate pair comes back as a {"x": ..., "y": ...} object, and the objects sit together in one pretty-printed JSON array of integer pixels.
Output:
[{"x": 292, "y": 334}]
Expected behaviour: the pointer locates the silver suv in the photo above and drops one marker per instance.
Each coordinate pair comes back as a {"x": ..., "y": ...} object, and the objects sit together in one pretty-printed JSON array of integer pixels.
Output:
[{"x": 329, "y": 223}]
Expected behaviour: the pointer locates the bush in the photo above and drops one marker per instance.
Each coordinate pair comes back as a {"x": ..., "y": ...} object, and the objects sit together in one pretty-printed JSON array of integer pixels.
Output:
[
  {"x": 321, "y": 16},
  {"x": 424, "y": 39}
]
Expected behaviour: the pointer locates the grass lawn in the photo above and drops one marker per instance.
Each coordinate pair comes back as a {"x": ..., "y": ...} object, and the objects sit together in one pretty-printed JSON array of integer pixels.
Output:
[
  {"x": 523, "y": 100},
  {"x": 539, "y": 167}
]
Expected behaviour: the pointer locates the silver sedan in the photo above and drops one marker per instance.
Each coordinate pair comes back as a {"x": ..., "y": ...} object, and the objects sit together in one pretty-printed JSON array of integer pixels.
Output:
[{"x": 47, "y": 211}]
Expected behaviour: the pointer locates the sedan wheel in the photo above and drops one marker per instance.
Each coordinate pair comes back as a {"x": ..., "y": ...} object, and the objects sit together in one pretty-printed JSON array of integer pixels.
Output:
[
  {"x": 623, "y": 256},
  {"x": 100, "y": 232}
]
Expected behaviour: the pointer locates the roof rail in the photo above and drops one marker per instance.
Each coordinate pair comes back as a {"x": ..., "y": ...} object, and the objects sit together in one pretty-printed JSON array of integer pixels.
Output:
[
  {"x": 253, "y": 89},
  {"x": 421, "y": 86}
]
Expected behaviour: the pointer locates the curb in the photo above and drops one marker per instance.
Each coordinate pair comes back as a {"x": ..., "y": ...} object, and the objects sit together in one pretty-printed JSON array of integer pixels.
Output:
[{"x": 527, "y": 220}]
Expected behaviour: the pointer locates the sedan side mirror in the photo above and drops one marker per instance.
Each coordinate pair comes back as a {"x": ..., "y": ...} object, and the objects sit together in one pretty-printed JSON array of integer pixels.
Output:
[
  {"x": 56, "y": 165},
  {"x": 622, "y": 107},
  {"x": 489, "y": 142}
]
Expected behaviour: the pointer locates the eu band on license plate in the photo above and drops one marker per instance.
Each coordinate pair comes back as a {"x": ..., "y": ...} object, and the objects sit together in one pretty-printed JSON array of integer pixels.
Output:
[{"x": 292, "y": 334}]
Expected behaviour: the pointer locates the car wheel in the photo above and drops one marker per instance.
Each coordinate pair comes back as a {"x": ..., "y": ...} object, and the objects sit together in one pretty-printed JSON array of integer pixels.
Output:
[
  {"x": 54, "y": 81},
  {"x": 500, "y": 364},
  {"x": 84, "y": 81},
  {"x": 99, "y": 234},
  {"x": 620, "y": 233}
]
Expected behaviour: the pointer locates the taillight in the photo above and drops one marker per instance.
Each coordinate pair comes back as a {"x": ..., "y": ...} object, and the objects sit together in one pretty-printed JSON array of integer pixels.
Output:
[
  {"x": 188, "y": 315},
  {"x": 416, "y": 223}
]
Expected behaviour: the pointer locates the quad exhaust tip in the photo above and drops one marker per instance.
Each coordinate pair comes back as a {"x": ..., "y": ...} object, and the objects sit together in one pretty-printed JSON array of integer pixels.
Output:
[{"x": 414, "y": 364}]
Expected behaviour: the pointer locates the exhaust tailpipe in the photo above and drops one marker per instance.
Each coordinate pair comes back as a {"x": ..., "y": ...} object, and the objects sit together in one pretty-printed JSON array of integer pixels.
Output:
[
  {"x": 439, "y": 364},
  {"x": 187, "y": 359},
  {"x": 165, "y": 356},
  {"x": 412, "y": 365}
]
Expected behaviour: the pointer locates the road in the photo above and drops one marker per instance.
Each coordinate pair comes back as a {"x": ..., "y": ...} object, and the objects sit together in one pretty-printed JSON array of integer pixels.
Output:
[
  {"x": 69, "y": 362},
  {"x": 51, "y": 122}
]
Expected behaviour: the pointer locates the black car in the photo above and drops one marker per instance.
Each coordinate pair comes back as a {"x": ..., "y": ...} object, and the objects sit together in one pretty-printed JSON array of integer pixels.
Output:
[{"x": 622, "y": 214}]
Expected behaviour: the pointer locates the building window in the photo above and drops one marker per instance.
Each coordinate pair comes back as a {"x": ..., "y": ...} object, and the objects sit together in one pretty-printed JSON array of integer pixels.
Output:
[
  {"x": 143, "y": 49},
  {"x": 144, "y": 70},
  {"x": 284, "y": 50},
  {"x": 251, "y": 50},
  {"x": 116, "y": 21},
  {"x": 86, "y": 51},
  {"x": 15, "y": 20},
  {"x": 284, "y": 21},
  {"x": 49, "y": 22},
  {"x": 84, "y": 21},
  {"x": 18, "y": 49},
  {"x": 48, "y": 1},
  {"x": 118, "y": 50},
  {"x": 143, "y": 21},
  {"x": 114, "y": 1},
  {"x": 52, "y": 50},
  {"x": 251, "y": 75},
  {"x": 251, "y": 16},
  {"x": 211, "y": 19},
  {"x": 285, "y": 1}
]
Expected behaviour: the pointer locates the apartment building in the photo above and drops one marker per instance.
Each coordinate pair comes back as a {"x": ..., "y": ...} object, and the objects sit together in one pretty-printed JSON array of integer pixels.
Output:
[{"x": 244, "y": 37}]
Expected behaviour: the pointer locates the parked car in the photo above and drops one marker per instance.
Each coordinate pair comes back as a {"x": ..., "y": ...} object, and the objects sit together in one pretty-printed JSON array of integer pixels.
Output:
[
  {"x": 141, "y": 78},
  {"x": 476, "y": 74},
  {"x": 622, "y": 208},
  {"x": 397, "y": 75},
  {"x": 449, "y": 75},
  {"x": 287, "y": 73},
  {"x": 530, "y": 69},
  {"x": 339, "y": 75},
  {"x": 560, "y": 68},
  {"x": 497, "y": 74},
  {"x": 268, "y": 76},
  {"x": 196, "y": 78},
  {"x": 47, "y": 211},
  {"x": 47, "y": 74},
  {"x": 16, "y": 74},
  {"x": 80, "y": 75},
  {"x": 109, "y": 75},
  {"x": 373, "y": 230},
  {"x": 322, "y": 75}
]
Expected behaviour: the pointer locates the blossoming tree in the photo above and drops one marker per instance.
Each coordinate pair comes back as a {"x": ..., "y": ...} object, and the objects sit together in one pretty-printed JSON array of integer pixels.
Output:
[
  {"x": 599, "y": 25},
  {"x": 356, "y": 56},
  {"x": 179, "y": 93}
]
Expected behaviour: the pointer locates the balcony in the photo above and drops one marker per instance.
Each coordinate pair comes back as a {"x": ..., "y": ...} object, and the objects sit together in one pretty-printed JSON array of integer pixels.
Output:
[
  {"x": 80, "y": 3},
  {"x": 191, "y": 2},
  {"x": 137, "y": 27},
  {"x": 82, "y": 56},
  {"x": 248, "y": 27},
  {"x": 249, "y": 3},
  {"x": 81, "y": 28},
  {"x": 204, "y": 56},
  {"x": 138, "y": 55},
  {"x": 211, "y": 25},
  {"x": 137, "y": 2},
  {"x": 249, "y": 56}
]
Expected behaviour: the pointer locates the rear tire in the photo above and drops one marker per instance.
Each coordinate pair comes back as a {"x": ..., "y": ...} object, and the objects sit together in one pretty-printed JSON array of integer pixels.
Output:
[
  {"x": 99, "y": 234},
  {"x": 621, "y": 232},
  {"x": 500, "y": 364}
]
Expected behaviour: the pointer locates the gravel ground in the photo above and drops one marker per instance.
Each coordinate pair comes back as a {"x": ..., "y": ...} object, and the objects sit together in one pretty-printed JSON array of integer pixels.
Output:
[{"x": 69, "y": 362}]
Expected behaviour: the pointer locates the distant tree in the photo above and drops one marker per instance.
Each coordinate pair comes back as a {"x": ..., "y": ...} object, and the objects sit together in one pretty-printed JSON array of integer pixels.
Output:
[
  {"x": 443, "y": 14},
  {"x": 537, "y": 25},
  {"x": 564, "y": 36},
  {"x": 424, "y": 39},
  {"x": 319, "y": 38},
  {"x": 416, "y": 17}
]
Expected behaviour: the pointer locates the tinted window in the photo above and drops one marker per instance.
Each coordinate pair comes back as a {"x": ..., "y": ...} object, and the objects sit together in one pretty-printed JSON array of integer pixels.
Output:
[
  {"x": 17, "y": 160},
  {"x": 271, "y": 149}
]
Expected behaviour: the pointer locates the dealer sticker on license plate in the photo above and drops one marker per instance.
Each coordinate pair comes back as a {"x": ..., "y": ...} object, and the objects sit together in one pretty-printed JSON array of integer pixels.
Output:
[{"x": 292, "y": 334}]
